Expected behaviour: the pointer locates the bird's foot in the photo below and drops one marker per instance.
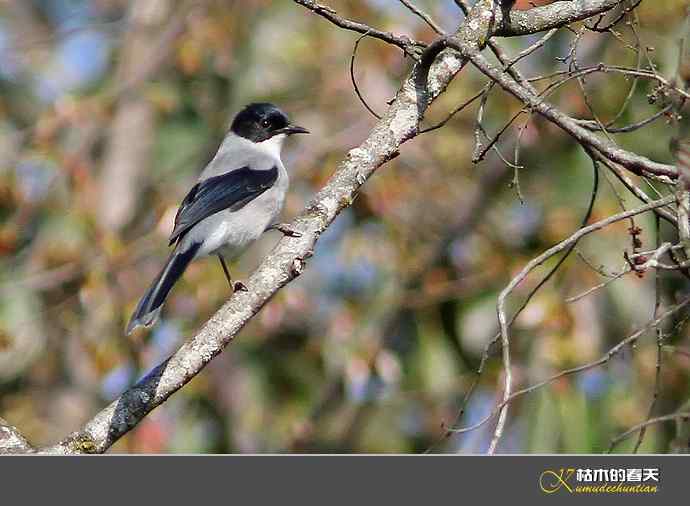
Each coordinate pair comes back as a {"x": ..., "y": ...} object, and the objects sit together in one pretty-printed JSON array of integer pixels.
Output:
[
  {"x": 285, "y": 229},
  {"x": 239, "y": 287}
]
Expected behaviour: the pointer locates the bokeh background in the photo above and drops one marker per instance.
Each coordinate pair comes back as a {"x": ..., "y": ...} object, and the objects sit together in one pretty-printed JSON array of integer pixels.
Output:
[{"x": 110, "y": 108}]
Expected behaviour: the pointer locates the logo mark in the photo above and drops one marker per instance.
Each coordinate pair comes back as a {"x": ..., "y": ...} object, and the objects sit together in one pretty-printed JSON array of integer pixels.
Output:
[{"x": 552, "y": 481}]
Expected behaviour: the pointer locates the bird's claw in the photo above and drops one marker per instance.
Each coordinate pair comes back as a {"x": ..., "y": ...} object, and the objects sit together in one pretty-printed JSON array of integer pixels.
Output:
[
  {"x": 239, "y": 287},
  {"x": 286, "y": 229}
]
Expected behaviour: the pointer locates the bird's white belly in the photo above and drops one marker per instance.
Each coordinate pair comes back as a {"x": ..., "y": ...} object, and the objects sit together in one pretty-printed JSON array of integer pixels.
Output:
[{"x": 231, "y": 232}]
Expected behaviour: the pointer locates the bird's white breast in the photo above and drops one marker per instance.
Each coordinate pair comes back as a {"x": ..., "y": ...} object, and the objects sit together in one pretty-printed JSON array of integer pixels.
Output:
[{"x": 231, "y": 232}]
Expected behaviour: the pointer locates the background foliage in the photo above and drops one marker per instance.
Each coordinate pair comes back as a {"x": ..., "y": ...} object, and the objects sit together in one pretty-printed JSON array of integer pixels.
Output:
[{"x": 108, "y": 111}]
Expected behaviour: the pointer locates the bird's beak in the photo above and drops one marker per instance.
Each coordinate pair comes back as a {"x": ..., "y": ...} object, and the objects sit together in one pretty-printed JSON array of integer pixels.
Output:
[{"x": 293, "y": 129}]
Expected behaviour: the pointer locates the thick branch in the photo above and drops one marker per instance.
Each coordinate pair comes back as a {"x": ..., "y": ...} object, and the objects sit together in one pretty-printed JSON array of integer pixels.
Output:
[
  {"x": 550, "y": 16},
  {"x": 12, "y": 441}
]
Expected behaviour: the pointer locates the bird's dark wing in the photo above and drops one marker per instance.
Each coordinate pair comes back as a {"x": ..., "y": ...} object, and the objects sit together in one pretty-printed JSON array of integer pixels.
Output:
[{"x": 232, "y": 190}]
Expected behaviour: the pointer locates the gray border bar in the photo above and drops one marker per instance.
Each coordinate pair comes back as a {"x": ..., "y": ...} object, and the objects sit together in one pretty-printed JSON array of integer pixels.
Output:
[{"x": 419, "y": 480}]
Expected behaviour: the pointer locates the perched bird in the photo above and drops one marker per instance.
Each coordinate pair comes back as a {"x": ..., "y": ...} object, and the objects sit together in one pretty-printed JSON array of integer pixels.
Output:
[{"x": 237, "y": 197}]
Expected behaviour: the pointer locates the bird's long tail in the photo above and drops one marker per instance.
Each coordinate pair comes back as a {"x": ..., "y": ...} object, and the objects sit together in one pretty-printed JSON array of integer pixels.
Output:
[{"x": 151, "y": 303}]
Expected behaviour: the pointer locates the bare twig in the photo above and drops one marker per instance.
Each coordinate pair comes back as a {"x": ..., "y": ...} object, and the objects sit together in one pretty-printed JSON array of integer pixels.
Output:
[
  {"x": 659, "y": 339},
  {"x": 634, "y": 189},
  {"x": 470, "y": 49},
  {"x": 631, "y": 161},
  {"x": 487, "y": 349},
  {"x": 505, "y": 340},
  {"x": 408, "y": 45},
  {"x": 423, "y": 15},
  {"x": 683, "y": 417},
  {"x": 354, "y": 80},
  {"x": 457, "y": 109},
  {"x": 531, "y": 49},
  {"x": 632, "y": 127},
  {"x": 612, "y": 352},
  {"x": 595, "y": 288}
]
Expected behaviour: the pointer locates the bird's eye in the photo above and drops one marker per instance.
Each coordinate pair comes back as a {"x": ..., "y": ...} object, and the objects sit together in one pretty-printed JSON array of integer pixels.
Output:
[{"x": 265, "y": 123}]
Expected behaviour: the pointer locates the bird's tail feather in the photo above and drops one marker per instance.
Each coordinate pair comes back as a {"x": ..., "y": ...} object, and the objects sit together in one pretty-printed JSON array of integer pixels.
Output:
[{"x": 151, "y": 303}]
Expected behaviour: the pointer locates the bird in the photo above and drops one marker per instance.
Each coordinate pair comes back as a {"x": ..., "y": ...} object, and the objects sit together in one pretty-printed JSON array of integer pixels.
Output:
[{"x": 237, "y": 197}]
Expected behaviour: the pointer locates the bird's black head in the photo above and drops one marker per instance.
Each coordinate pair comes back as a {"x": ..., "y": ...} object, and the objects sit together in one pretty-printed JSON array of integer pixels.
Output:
[{"x": 261, "y": 121}]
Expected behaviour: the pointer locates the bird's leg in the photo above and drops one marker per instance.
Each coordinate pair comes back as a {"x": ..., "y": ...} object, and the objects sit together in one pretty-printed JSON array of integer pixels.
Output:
[
  {"x": 237, "y": 286},
  {"x": 285, "y": 229},
  {"x": 226, "y": 271}
]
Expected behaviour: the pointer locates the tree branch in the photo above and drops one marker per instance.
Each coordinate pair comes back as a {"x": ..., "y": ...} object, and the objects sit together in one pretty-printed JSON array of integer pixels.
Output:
[
  {"x": 408, "y": 45},
  {"x": 550, "y": 16},
  {"x": 11, "y": 440},
  {"x": 604, "y": 359},
  {"x": 470, "y": 49},
  {"x": 288, "y": 259},
  {"x": 681, "y": 417},
  {"x": 423, "y": 15}
]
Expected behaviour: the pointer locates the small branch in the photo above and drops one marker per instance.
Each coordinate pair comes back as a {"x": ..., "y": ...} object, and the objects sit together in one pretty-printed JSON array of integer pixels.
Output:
[
  {"x": 487, "y": 349},
  {"x": 498, "y": 51},
  {"x": 470, "y": 42},
  {"x": 539, "y": 260},
  {"x": 507, "y": 381},
  {"x": 582, "y": 368},
  {"x": 12, "y": 441},
  {"x": 408, "y": 45},
  {"x": 456, "y": 110},
  {"x": 423, "y": 15},
  {"x": 683, "y": 196},
  {"x": 631, "y": 161},
  {"x": 635, "y": 190},
  {"x": 595, "y": 288},
  {"x": 505, "y": 340},
  {"x": 505, "y": 325},
  {"x": 632, "y": 127},
  {"x": 614, "y": 22},
  {"x": 354, "y": 80},
  {"x": 659, "y": 334},
  {"x": 683, "y": 417}
]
